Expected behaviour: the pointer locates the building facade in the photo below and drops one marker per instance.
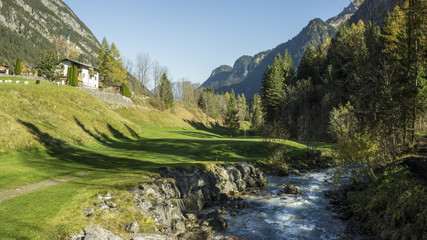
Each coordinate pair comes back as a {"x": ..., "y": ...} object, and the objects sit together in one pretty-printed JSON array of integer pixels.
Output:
[{"x": 88, "y": 76}]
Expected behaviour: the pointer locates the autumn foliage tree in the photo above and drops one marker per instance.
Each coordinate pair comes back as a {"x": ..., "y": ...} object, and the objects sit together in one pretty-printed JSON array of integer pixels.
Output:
[{"x": 110, "y": 63}]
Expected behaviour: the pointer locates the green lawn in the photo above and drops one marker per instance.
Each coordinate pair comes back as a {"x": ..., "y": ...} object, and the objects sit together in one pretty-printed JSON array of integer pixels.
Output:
[
  {"x": 50, "y": 131},
  {"x": 113, "y": 164}
]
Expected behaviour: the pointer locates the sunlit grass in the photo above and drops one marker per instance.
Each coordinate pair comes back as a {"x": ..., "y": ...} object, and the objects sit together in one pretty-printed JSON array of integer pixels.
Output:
[{"x": 50, "y": 131}]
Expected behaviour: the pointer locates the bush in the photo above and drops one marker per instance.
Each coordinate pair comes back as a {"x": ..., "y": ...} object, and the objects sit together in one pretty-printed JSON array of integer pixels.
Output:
[
  {"x": 125, "y": 91},
  {"x": 273, "y": 133},
  {"x": 394, "y": 206},
  {"x": 156, "y": 103},
  {"x": 358, "y": 152}
]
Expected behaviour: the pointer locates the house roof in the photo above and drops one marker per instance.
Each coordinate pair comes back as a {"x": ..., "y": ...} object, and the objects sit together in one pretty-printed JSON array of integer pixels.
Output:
[{"x": 78, "y": 63}]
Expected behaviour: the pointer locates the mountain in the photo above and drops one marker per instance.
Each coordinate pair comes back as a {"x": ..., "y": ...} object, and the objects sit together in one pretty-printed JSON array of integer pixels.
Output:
[
  {"x": 225, "y": 78},
  {"x": 345, "y": 14},
  {"x": 375, "y": 11},
  {"x": 27, "y": 27},
  {"x": 246, "y": 78}
]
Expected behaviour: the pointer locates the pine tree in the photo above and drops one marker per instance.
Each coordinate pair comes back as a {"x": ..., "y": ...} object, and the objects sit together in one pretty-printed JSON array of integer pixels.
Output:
[
  {"x": 110, "y": 63},
  {"x": 104, "y": 59},
  {"x": 232, "y": 115},
  {"x": 165, "y": 90},
  {"x": 117, "y": 69},
  {"x": 273, "y": 86},
  {"x": 49, "y": 65},
  {"x": 75, "y": 77},
  {"x": 18, "y": 67},
  {"x": 69, "y": 75},
  {"x": 125, "y": 91}
]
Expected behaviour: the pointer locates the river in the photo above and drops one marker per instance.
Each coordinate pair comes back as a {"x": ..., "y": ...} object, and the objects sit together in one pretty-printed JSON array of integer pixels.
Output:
[{"x": 287, "y": 216}]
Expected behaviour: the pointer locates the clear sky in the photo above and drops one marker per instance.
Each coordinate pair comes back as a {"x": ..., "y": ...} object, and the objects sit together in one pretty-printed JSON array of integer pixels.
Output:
[{"x": 192, "y": 37}]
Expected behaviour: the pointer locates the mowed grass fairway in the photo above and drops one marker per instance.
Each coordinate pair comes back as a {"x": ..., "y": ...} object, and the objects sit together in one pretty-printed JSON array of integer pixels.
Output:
[
  {"x": 109, "y": 164},
  {"x": 51, "y": 132}
]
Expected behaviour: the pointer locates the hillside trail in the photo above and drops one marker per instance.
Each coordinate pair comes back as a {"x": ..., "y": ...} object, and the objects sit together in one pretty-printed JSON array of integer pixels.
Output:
[{"x": 21, "y": 190}]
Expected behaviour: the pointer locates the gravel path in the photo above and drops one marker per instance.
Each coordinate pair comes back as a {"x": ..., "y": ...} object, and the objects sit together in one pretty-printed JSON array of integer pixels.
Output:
[{"x": 21, "y": 190}]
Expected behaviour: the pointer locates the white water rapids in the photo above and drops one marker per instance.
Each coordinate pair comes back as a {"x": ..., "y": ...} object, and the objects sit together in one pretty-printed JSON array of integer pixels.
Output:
[{"x": 287, "y": 216}]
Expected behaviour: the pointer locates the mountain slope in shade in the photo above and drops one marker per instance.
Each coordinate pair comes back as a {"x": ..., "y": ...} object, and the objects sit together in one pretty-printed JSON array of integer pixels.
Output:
[
  {"x": 375, "y": 11},
  {"x": 313, "y": 34},
  {"x": 27, "y": 27}
]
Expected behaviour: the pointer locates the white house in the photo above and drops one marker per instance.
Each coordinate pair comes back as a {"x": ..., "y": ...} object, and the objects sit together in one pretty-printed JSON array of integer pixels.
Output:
[{"x": 88, "y": 76}]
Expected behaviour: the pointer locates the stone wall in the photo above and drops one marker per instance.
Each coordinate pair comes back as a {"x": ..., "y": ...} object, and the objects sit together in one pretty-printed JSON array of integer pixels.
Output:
[{"x": 110, "y": 97}]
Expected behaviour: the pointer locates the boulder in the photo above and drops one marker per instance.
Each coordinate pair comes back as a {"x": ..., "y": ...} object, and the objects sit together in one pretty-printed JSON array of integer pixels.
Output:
[
  {"x": 178, "y": 226},
  {"x": 290, "y": 189},
  {"x": 95, "y": 233},
  {"x": 88, "y": 212},
  {"x": 145, "y": 236},
  {"x": 132, "y": 227}
]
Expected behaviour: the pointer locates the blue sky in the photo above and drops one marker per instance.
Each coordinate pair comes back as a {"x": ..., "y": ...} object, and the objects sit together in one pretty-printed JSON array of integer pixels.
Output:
[{"x": 192, "y": 37}]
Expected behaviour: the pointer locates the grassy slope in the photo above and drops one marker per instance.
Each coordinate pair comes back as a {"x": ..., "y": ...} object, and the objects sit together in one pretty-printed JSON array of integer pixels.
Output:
[{"x": 53, "y": 131}]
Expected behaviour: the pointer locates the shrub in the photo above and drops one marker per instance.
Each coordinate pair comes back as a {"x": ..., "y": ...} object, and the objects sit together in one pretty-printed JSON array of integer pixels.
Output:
[
  {"x": 358, "y": 152},
  {"x": 156, "y": 103},
  {"x": 125, "y": 91},
  {"x": 18, "y": 67}
]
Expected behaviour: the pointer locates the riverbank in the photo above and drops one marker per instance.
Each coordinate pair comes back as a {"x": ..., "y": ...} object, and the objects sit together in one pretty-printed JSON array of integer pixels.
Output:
[{"x": 231, "y": 201}]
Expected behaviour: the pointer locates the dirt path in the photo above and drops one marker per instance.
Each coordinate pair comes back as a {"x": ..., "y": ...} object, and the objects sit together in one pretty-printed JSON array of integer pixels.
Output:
[{"x": 21, "y": 190}]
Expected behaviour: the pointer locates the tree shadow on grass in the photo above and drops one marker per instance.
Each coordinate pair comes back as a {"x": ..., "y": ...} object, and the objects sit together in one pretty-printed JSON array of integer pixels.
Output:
[
  {"x": 125, "y": 155},
  {"x": 214, "y": 128}
]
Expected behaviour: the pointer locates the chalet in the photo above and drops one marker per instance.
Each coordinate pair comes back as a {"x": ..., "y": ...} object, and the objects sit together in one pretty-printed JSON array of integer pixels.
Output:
[
  {"x": 88, "y": 76},
  {"x": 4, "y": 68}
]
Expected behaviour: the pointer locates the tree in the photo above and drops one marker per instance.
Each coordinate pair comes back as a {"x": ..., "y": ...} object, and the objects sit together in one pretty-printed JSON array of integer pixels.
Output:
[
  {"x": 65, "y": 49},
  {"x": 110, "y": 63},
  {"x": 75, "y": 76},
  {"x": 104, "y": 59},
  {"x": 18, "y": 67},
  {"x": 208, "y": 102},
  {"x": 188, "y": 93},
  {"x": 117, "y": 69},
  {"x": 125, "y": 91},
  {"x": 49, "y": 65},
  {"x": 255, "y": 114},
  {"x": 232, "y": 115},
  {"x": 143, "y": 68},
  {"x": 165, "y": 91},
  {"x": 242, "y": 106},
  {"x": 69, "y": 75},
  {"x": 273, "y": 86}
]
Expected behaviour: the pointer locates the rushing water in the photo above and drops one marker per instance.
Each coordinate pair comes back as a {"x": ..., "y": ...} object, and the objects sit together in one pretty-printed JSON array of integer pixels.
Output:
[{"x": 288, "y": 216}]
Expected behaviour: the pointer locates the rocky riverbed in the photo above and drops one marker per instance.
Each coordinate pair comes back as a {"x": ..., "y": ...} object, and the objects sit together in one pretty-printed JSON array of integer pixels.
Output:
[{"x": 235, "y": 202}]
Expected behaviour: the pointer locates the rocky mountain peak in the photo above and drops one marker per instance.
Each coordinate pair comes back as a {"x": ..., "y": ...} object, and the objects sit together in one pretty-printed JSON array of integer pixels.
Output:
[
  {"x": 240, "y": 67},
  {"x": 345, "y": 14},
  {"x": 221, "y": 69}
]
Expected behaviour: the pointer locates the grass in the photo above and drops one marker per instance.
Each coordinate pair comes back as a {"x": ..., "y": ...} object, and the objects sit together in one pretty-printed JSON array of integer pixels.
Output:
[{"x": 50, "y": 131}]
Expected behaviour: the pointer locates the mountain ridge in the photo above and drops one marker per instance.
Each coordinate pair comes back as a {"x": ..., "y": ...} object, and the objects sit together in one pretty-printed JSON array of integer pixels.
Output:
[
  {"x": 33, "y": 24},
  {"x": 313, "y": 34}
]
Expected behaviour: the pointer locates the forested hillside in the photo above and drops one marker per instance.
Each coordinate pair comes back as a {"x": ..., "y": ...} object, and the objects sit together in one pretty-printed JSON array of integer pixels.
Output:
[
  {"x": 29, "y": 27},
  {"x": 314, "y": 34},
  {"x": 366, "y": 90}
]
